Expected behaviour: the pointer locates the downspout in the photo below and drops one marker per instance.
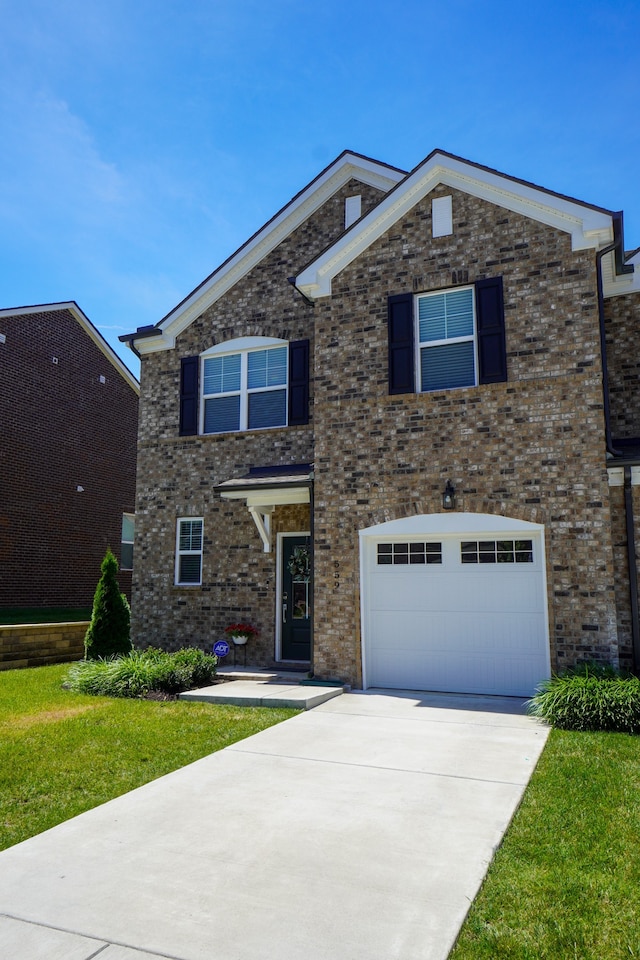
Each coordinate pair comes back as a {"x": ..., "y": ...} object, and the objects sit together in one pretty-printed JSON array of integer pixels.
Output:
[
  {"x": 621, "y": 268},
  {"x": 292, "y": 281},
  {"x": 131, "y": 343},
  {"x": 312, "y": 571},
  {"x": 633, "y": 569},
  {"x": 603, "y": 346}
]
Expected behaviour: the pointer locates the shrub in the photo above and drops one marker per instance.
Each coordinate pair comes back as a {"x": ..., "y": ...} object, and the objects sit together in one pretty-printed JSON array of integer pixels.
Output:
[
  {"x": 142, "y": 672},
  {"x": 108, "y": 632},
  {"x": 589, "y": 697}
]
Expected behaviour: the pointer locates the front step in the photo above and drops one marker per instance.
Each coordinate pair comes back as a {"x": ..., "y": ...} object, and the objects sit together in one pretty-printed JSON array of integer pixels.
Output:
[{"x": 263, "y": 691}]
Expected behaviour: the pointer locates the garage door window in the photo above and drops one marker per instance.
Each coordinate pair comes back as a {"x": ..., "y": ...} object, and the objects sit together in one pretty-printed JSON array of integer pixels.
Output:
[
  {"x": 406, "y": 553},
  {"x": 496, "y": 551}
]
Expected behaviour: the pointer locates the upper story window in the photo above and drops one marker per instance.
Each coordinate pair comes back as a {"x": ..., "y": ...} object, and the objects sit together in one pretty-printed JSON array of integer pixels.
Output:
[
  {"x": 446, "y": 337},
  {"x": 245, "y": 390},
  {"x": 249, "y": 383}
]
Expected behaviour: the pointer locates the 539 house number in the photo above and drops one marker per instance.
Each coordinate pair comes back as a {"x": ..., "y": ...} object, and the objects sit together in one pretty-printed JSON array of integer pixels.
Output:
[{"x": 336, "y": 576}]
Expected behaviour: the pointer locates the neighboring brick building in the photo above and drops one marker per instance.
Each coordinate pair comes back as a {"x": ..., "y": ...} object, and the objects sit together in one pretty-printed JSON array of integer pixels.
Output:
[
  {"x": 399, "y": 380},
  {"x": 69, "y": 415}
]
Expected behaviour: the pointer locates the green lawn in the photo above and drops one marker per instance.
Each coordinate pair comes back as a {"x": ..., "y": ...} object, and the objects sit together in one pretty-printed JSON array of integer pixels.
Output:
[
  {"x": 565, "y": 884},
  {"x": 62, "y": 753}
]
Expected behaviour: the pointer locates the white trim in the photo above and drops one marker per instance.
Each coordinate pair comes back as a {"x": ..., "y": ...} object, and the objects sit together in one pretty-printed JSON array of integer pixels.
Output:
[
  {"x": 442, "y": 217},
  {"x": 450, "y": 523},
  {"x": 273, "y": 496},
  {"x": 616, "y": 476},
  {"x": 352, "y": 210},
  {"x": 616, "y": 286},
  {"x": 442, "y": 526},
  {"x": 87, "y": 326},
  {"x": 240, "y": 344},
  {"x": 262, "y": 519},
  {"x": 245, "y": 391},
  {"x": 180, "y": 553},
  {"x": 346, "y": 167},
  {"x": 279, "y": 547},
  {"x": 132, "y": 518},
  {"x": 588, "y": 227},
  {"x": 420, "y": 345}
]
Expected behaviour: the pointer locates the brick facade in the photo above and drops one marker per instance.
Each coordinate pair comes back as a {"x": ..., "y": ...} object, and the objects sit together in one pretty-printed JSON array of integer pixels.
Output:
[
  {"x": 531, "y": 448},
  {"x": 623, "y": 358},
  {"x": 62, "y": 429}
]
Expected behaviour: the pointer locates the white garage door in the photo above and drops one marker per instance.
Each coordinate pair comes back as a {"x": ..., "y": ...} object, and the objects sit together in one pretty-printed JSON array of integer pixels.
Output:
[{"x": 455, "y": 603}]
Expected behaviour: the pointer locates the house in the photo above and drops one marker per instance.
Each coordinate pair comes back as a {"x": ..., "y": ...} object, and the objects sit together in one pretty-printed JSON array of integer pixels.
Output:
[
  {"x": 69, "y": 415},
  {"x": 397, "y": 431}
]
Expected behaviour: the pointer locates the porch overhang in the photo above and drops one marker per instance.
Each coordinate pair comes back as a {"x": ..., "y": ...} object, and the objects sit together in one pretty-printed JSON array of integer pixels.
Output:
[{"x": 265, "y": 488}]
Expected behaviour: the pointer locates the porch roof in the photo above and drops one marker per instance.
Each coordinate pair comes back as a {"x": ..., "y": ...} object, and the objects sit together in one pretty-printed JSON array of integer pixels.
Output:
[
  {"x": 265, "y": 488},
  {"x": 288, "y": 483}
]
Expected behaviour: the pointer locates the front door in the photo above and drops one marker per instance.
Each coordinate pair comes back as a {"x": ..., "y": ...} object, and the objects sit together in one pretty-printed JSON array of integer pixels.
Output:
[{"x": 295, "y": 599}]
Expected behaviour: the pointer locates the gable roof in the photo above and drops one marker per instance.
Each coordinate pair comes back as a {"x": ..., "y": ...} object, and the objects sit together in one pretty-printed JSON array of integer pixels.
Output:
[
  {"x": 347, "y": 166},
  {"x": 589, "y": 226},
  {"x": 72, "y": 307}
]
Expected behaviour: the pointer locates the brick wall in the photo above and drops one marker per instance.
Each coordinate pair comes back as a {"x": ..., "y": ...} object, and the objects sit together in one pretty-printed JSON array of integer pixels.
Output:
[
  {"x": 531, "y": 448},
  {"x": 40, "y": 644},
  {"x": 623, "y": 360},
  {"x": 62, "y": 429},
  {"x": 177, "y": 476}
]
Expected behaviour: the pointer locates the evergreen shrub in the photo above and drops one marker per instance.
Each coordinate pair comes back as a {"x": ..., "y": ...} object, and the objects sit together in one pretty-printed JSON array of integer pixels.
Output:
[{"x": 109, "y": 631}]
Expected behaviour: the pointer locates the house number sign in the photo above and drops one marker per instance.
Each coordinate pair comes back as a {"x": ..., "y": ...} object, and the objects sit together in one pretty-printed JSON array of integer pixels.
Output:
[{"x": 336, "y": 576}]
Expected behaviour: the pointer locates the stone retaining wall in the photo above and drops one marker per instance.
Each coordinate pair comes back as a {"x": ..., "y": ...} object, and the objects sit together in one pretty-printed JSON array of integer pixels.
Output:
[{"x": 38, "y": 644}]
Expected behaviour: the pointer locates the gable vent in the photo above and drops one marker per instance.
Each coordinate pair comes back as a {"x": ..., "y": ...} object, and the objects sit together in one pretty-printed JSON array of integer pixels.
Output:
[
  {"x": 442, "y": 216},
  {"x": 352, "y": 210}
]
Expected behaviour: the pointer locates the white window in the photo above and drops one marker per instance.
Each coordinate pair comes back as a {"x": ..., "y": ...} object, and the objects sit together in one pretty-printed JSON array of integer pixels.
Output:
[
  {"x": 446, "y": 340},
  {"x": 189, "y": 551},
  {"x": 244, "y": 385},
  {"x": 126, "y": 545}
]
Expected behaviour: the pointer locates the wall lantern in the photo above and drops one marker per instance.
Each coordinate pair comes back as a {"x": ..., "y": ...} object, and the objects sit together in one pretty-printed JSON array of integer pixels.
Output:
[{"x": 449, "y": 496}]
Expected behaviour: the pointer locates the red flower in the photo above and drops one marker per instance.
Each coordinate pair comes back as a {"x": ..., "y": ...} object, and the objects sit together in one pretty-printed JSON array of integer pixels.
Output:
[{"x": 241, "y": 630}]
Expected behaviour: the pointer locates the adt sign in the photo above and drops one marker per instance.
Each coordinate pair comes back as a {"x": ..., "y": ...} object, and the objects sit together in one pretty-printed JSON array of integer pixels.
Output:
[{"x": 221, "y": 648}]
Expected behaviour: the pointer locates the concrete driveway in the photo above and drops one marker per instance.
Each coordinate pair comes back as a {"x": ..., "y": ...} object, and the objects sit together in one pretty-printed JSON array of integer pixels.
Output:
[{"x": 361, "y": 830}]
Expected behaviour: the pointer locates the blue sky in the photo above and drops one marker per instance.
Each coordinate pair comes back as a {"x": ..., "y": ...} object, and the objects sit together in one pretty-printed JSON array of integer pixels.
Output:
[{"x": 142, "y": 141}]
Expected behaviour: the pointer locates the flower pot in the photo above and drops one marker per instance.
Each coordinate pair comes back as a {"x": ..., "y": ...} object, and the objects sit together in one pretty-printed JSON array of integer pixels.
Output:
[{"x": 240, "y": 640}]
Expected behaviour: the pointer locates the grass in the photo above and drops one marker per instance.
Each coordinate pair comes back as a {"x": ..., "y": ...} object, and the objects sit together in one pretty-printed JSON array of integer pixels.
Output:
[
  {"x": 62, "y": 753},
  {"x": 43, "y": 615},
  {"x": 565, "y": 884}
]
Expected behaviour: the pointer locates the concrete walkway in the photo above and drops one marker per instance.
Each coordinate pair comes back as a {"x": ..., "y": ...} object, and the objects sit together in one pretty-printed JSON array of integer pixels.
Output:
[{"x": 360, "y": 830}]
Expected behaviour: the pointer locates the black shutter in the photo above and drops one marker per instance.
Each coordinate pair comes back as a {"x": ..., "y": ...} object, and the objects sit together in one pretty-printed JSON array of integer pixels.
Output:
[
  {"x": 492, "y": 349},
  {"x": 189, "y": 396},
  {"x": 298, "y": 382},
  {"x": 401, "y": 352}
]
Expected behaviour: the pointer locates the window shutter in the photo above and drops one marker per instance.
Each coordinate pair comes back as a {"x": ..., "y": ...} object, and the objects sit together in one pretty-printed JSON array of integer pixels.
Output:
[
  {"x": 189, "y": 396},
  {"x": 298, "y": 382},
  {"x": 492, "y": 349},
  {"x": 401, "y": 351}
]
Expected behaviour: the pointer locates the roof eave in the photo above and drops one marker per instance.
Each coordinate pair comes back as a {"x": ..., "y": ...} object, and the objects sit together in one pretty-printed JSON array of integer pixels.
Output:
[{"x": 589, "y": 227}]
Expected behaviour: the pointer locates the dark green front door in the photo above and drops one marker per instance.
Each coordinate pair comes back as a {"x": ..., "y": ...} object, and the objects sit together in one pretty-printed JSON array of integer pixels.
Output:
[{"x": 296, "y": 598}]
